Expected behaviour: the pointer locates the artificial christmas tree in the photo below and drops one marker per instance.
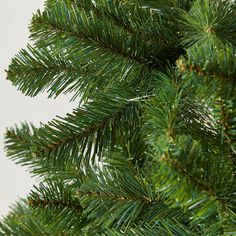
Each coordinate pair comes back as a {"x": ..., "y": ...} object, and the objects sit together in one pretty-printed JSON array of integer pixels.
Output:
[{"x": 151, "y": 148}]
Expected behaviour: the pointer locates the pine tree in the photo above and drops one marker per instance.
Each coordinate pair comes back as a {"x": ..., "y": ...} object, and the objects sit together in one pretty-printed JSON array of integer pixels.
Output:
[{"x": 151, "y": 147}]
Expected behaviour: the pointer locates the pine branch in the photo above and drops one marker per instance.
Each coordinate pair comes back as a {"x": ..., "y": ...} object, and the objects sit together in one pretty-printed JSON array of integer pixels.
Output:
[
  {"x": 54, "y": 204},
  {"x": 36, "y": 70},
  {"x": 155, "y": 5},
  {"x": 209, "y": 20},
  {"x": 86, "y": 29},
  {"x": 207, "y": 192},
  {"x": 176, "y": 108},
  {"x": 132, "y": 17},
  {"x": 210, "y": 62},
  {"x": 101, "y": 32},
  {"x": 116, "y": 197},
  {"x": 152, "y": 149},
  {"x": 19, "y": 146},
  {"x": 225, "y": 115},
  {"x": 77, "y": 65},
  {"x": 20, "y": 222},
  {"x": 82, "y": 136},
  {"x": 173, "y": 112},
  {"x": 85, "y": 132},
  {"x": 19, "y": 143},
  {"x": 162, "y": 227}
]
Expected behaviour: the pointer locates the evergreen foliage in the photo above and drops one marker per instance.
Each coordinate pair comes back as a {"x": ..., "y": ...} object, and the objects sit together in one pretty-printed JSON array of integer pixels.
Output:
[{"x": 151, "y": 147}]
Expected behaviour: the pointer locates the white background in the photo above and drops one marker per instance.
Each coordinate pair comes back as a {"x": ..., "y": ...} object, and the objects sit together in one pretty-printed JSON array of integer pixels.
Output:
[{"x": 15, "y": 17}]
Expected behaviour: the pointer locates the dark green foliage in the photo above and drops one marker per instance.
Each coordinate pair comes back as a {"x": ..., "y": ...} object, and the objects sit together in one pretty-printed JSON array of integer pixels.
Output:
[
  {"x": 21, "y": 222},
  {"x": 208, "y": 21},
  {"x": 151, "y": 147}
]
